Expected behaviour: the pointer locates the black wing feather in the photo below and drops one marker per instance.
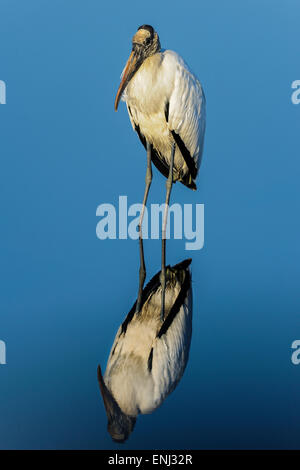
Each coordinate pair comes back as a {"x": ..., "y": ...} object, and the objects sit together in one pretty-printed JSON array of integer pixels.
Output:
[{"x": 161, "y": 164}]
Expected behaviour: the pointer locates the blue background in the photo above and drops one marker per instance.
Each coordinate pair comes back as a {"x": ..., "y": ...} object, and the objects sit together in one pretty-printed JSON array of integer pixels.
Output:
[{"x": 64, "y": 292}]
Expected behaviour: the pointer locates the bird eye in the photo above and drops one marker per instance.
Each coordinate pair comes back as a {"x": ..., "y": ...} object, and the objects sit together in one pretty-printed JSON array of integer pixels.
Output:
[{"x": 147, "y": 41}]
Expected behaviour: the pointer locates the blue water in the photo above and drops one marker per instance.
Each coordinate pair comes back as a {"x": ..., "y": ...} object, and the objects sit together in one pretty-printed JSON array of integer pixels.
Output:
[{"x": 64, "y": 292}]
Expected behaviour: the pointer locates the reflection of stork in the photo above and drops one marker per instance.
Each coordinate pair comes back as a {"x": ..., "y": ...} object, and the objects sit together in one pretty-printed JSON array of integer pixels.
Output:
[
  {"x": 166, "y": 106},
  {"x": 148, "y": 357}
]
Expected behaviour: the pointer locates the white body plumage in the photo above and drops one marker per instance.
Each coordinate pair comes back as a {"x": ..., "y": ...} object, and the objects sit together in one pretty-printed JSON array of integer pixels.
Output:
[{"x": 164, "y": 97}]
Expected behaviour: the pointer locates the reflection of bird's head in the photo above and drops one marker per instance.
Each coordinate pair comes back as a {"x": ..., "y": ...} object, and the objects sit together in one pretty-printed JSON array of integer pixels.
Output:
[
  {"x": 145, "y": 43},
  {"x": 119, "y": 425}
]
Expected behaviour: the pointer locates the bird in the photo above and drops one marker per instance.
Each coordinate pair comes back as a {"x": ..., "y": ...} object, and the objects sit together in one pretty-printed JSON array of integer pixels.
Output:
[
  {"x": 167, "y": 109},
  {"x": 148, "y": 358}
]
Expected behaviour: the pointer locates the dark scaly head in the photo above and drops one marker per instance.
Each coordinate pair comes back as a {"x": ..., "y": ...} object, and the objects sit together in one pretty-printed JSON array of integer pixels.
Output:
[
  {"x": 119, "y": 425},
  {"x": 145, "y": 43}
]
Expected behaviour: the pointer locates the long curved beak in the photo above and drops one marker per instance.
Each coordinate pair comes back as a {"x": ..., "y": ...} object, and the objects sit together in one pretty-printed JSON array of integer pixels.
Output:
[
  {"x": 108, "y": 399},
  {"x": 130, "y": 68}
]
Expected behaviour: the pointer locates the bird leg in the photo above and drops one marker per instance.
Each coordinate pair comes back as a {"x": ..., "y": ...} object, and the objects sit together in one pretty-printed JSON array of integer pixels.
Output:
[
  {"x": 169, "y": 184},
  {"x": 142, "y": 271}
]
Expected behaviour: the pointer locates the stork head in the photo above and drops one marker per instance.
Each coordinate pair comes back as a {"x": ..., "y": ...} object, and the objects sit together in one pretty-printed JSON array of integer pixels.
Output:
[
  {"x": 145, "y": 43},
  {"x": 119, "y": 425}
]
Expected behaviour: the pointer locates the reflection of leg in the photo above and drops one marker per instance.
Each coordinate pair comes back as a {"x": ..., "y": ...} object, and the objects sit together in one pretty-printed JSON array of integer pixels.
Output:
[
  {"x": 142, "y": 273},
  {"x": 163, "y": 241}
]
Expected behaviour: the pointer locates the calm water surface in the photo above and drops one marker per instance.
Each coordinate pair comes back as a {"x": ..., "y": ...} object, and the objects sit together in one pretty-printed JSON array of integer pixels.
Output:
[{"x": 64, "y": 292}]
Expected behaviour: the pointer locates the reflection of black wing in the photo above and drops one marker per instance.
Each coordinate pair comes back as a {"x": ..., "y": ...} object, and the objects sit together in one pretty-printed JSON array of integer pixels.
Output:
[
  {"x": 169, "y": 354},
  {"x": 152, "y": 286},
  {"x": 180, "y": 298}
]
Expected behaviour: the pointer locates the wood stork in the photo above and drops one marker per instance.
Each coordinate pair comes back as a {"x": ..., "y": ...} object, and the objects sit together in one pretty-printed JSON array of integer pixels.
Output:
[
  {"x": 148, "y": 358},
  {"x": 166, "y": 107}
]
